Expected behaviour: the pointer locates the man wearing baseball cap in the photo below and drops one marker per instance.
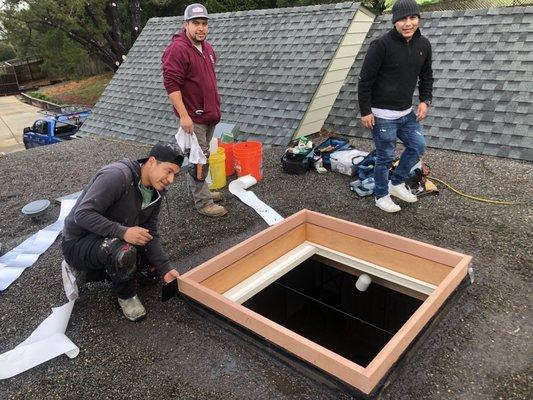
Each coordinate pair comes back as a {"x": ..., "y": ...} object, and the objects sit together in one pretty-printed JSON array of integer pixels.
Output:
[
  {"x": 394, "y": 64},
  {"x": 111, "y": 232},
  {"x": 189, "y": 77}
]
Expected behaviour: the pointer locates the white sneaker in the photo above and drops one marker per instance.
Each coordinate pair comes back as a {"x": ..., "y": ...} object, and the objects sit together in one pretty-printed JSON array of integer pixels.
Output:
[
  {"x": 132, "y": 308},
  {"x": 402, "y": 192},
  {"x": 387, "y": 205}
]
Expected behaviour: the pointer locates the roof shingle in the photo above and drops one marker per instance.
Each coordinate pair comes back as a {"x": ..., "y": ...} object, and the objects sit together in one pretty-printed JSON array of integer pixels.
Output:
[{"x": 270, "y": 63}]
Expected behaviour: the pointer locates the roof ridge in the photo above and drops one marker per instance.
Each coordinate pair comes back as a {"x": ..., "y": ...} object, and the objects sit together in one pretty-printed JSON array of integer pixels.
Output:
[{"x": 273, "y": 11}]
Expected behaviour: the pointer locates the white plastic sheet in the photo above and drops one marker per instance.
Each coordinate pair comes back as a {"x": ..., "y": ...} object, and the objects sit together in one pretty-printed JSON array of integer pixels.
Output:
[
  {"x": 14, "y": 262},
  {"x": 48, "y": 340},
  {"x": 189, "y": 144},
  {"x": 238, "y": 188}
]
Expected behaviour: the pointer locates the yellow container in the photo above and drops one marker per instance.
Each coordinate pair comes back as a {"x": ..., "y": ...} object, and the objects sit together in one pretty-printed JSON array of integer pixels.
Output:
[{"x": 217, "y": 169}]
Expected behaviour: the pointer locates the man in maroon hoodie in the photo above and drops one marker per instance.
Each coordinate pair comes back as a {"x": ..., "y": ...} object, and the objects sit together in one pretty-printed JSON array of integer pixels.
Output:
[{"x": 189, "y": 77}]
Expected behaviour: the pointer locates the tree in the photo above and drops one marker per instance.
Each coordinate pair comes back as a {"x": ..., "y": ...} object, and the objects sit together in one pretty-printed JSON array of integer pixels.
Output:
[
  {"x": 61, "y": 55},
  {"x": 105, "y": 29},
  {"x": 6, "y": 52}
]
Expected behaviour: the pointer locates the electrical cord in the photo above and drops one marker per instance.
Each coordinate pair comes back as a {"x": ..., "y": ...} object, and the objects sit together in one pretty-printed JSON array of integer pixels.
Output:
[{"x": 468, "y": 196}]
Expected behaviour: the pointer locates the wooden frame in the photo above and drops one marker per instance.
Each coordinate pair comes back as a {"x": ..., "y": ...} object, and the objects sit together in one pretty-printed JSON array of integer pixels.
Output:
[{"x": 428, "y": 272}]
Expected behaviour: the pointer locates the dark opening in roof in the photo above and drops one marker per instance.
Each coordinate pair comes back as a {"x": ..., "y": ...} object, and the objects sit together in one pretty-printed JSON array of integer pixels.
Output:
[{"x": 322, "y": 304}]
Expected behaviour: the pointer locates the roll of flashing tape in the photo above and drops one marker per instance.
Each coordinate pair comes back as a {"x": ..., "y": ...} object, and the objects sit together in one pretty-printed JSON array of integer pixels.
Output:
[{"x": 238, "y": 188}]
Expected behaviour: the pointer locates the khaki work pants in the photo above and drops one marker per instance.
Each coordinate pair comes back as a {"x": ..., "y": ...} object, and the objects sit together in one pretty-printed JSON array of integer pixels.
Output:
[{"x": 200, "y": 190}]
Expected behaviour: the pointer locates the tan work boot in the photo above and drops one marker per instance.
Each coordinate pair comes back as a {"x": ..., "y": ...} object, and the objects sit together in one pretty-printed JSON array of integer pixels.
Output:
[
  {"x": 213, "y": 210},
  {"x": 216, "y": 196},
  {"x": 132, "y": 308}
]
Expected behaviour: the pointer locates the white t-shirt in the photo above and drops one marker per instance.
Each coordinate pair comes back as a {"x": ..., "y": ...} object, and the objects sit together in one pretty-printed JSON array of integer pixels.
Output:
[{"x": 390, "y": 114}]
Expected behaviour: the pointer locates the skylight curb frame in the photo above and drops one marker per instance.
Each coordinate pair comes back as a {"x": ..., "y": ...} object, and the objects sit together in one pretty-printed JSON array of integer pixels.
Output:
[{"x": 436, "y": 268}]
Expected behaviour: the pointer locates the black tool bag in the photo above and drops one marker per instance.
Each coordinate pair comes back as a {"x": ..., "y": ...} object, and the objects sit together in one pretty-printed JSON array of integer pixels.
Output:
[{"x": 296, "y": 163}]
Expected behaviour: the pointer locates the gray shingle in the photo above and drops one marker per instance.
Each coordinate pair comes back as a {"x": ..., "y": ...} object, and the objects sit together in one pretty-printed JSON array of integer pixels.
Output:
[
  {"x": 483, "y": 69},
  {"x": 269, "y": 61}
]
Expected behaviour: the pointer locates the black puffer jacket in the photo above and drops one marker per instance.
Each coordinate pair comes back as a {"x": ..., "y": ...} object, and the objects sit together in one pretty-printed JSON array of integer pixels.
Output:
[
  {"x": 391, "y": 70},
  {"x": 111, "y": 203}
]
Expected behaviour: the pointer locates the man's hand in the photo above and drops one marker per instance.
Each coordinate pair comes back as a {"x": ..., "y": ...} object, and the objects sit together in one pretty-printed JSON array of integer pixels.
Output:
[
  {"x": 422, "y": 111},
  {"x": 171, "y": 275},
  {"x": 368, "y": 121},
  {"x": 137, "y": 236},
  {"x": 187, "y": 124}
]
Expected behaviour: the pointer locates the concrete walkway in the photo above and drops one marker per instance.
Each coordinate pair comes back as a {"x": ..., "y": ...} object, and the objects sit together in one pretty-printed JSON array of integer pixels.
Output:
[{"x": 14, "y": 117}]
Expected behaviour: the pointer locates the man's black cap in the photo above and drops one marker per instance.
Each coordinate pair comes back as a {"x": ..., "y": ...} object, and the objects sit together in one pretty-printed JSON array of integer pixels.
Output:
[
  {"x": 404, "y": 8},
  {"x": 167, "y": 152}
]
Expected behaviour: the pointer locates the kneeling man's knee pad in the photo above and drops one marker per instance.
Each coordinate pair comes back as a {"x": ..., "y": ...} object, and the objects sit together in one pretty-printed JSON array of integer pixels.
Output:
[{"x": 122, "y": 259}]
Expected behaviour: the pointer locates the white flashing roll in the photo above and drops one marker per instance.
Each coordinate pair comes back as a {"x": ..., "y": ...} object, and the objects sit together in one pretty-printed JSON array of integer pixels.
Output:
[{"x": 238, "y": 188}]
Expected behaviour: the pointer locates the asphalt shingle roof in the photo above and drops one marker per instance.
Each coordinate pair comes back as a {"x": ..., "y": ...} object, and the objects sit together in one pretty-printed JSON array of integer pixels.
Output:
[
  {"x": 483, "y": 70},
  {"x": 270, "y": 63}
]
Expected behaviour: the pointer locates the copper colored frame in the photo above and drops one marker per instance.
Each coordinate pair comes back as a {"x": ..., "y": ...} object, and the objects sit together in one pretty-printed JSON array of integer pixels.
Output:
[{"x": 443, "y": 268}]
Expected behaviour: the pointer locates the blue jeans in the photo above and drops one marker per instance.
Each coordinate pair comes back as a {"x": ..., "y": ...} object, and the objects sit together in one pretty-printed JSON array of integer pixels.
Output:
[{"x": 385, "y": 134}]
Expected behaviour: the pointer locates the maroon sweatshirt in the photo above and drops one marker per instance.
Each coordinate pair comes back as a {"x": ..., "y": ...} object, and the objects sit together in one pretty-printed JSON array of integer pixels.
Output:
[{"x": 192, "y": 72}]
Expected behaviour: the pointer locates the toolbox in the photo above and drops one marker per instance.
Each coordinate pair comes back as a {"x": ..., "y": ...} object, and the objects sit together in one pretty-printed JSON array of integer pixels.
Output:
[
  {"x": 329, "y": 146},
  {"x": 345, "y": 161}
]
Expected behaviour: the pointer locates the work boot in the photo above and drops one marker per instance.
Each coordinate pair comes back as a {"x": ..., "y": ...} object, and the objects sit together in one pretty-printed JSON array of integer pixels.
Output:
[
  {"x": 402, "y": 192},
  {"x": 387, "y": 205},
  {"x": 213, "y": 210},
  {"x": 216, "y": 196},
  {"x": 132, "y": 308}
]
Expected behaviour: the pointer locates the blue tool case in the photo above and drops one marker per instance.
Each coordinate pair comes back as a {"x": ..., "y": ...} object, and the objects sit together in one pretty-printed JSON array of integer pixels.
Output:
[{"x": 329, "y": 146}]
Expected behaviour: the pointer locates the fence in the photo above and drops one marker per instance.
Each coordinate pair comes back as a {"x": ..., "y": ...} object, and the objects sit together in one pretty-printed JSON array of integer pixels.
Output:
[
  {"x": 8, "y": 80},
  {"x": 448, "y": 5},
  {"x": 28, "y": 70}
]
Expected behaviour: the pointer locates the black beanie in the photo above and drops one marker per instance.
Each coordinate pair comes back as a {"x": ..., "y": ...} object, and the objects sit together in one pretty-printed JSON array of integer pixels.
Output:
[{"x": 404, "y": 8}]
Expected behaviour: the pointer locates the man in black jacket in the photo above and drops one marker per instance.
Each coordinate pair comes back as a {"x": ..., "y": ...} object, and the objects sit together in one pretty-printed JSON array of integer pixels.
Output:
[
  {"x": 393, "y": 66},
  {"x": 113, "y": 225}
]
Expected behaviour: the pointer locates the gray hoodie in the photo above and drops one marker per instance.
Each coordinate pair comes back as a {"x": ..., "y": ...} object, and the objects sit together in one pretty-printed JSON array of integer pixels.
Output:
[{"x": 111, "y": 203}]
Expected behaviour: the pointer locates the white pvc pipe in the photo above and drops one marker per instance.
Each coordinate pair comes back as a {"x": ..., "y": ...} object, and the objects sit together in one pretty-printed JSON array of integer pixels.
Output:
[{"x": 363, "y": 282}]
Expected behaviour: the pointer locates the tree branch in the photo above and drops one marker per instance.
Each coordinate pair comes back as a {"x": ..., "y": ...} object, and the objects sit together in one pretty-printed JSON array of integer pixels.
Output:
[{"x": 135, "y": 13}]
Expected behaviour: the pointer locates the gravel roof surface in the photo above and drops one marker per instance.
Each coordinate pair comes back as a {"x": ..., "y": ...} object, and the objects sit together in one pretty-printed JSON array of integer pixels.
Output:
[{"x": 480, "y": 348}]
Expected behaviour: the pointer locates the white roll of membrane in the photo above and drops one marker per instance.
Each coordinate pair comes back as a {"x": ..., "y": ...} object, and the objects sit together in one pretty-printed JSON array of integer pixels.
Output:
[{"x": 238, "y": 188}]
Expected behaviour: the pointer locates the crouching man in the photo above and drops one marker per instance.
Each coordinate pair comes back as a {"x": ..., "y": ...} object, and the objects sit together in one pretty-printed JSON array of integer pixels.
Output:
[{"x": 111, "y": 232}]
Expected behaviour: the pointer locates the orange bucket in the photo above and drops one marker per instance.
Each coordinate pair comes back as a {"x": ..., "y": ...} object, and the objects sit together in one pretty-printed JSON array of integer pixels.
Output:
[
  {"x": 228, "y": 149},
  {"x": 249, "y": 159}
]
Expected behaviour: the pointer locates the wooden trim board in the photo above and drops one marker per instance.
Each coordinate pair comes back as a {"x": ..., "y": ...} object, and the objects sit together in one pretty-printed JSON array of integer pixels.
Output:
[
  {"x": 256, "y": 282},
  {"x": 392, "y": 259},
  {"x": 436, "y": 268},
  {"x": 270, "y": 273},
  {"x": 240, "y": 250},
  {"x": 238, "y": 271},
  {"x": 390, "y": 285}
]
